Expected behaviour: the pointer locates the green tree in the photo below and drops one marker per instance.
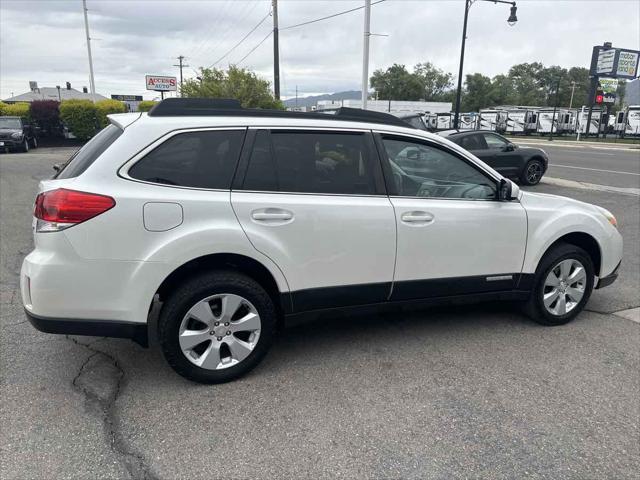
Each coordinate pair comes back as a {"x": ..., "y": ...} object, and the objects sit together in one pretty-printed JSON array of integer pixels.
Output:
[
  {"x": 243, "y": 85},
  {"x": 503, "y": 91},
  {"x": 528, "y": 83},
  {"x": 477, "y": 93},
  {"x": 397, "y": 83},
  {"x": 436, "y": 83}
]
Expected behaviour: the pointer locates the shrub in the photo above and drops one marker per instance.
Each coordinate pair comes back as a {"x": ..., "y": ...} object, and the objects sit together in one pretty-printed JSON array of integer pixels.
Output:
[
  {"x": 16, "y": 110},
  {"x": 2, "y": 107},
  {"x": 46, "y": 115},
  {"x": 107, "y": 107},
  {"x": 146, "y": 105},
  {"x": 80, "y": 117}
]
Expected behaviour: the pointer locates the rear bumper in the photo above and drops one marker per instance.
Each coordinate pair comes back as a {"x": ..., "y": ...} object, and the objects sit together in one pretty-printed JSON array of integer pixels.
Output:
[{"x": 95, "y": 328}]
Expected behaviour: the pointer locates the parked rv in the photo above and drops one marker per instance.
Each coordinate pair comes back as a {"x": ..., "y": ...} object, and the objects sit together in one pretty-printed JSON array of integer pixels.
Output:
[
  {"x": 595, "y": 122},
  {"x": 521, "y": 121},
  {"x": 628, "y": 121},
  {"x": 492, "y": 119}
]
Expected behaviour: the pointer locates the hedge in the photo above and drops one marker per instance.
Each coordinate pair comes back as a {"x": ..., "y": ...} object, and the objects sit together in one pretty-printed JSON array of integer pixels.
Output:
[
  {"x": 46, "y": 115},
  {"x": 107, "y": 107},
  {"x": 16, "y": 110},
  {"x": 2, "y": 107},
  {"x": 146, "y": 105},
  {"x": 80, "y": 117}
]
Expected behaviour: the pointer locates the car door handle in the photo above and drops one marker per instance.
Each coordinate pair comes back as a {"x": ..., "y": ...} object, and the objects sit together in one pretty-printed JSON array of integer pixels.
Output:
[
  {"x": 417, "y": 217},
  {"x": 271, "y": 214}
]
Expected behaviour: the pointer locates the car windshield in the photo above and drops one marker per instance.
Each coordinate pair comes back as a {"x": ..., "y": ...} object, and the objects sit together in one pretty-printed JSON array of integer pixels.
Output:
[{"x": 10, "y": 123}]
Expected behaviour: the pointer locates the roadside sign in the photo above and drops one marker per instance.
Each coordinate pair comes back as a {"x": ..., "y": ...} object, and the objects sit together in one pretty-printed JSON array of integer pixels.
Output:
[
  {"x": 614, "y": 62},
  {"x": 627, "y": 64},
  {"x": 160, "y": 83},
  {"x": 127, "y": 98},
  {"x": 606, "y": 59}
]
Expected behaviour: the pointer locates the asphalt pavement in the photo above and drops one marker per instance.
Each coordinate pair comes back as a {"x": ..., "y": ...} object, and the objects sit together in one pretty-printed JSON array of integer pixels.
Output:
[
  {"x": 473, "y": 392},
  {"x": 615, "y": 165}
]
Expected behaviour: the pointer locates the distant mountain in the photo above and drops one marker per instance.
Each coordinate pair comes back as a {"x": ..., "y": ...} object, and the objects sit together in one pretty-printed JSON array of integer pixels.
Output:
[{"x": 311, "y": 101}]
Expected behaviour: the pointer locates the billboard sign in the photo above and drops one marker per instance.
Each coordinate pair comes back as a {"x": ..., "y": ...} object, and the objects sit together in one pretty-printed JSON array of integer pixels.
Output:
[
  {"x": 614, "y": 62},
  {"x": 627, "y": 64},
  {"x": 608, "y": 87},
  {"x": 160, "y": 83}
]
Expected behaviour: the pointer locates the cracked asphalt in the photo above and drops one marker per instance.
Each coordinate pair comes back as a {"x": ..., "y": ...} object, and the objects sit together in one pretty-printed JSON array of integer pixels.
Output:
[{"x": 464, "y": 392}]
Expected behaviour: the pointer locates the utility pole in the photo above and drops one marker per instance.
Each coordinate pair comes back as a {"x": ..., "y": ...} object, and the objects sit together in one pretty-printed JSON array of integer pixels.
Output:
[
  {"x": 296, "y": 96},
  {"x": 555, "y": 106},
  {"x": 92, "y": 84},
  {"x": 573, "y": 89},
  {"x": 365, "y": 53},
  {"x": 276, "y": 51},
  {"x": 181, "y": 66}
]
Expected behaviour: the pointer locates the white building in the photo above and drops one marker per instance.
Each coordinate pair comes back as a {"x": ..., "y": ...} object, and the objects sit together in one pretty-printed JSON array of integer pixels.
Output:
[{"x": 53, "y": 93}]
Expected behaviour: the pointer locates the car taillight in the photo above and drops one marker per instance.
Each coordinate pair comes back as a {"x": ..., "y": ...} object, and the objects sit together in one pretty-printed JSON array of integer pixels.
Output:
[{"x": 58, "y": 209}]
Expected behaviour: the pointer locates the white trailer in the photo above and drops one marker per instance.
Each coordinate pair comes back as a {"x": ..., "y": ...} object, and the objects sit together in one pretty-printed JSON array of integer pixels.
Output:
[
  {"x": 492, "y": 119},
  {"x": 521, "y": 120},
  {"x": 444, "y": 121},
  {"x": 468, "y": 121},
  {"x": 628, "y": 121},
  {"x": 546, "y": 121},
  {"x": 595, "y": 121}
]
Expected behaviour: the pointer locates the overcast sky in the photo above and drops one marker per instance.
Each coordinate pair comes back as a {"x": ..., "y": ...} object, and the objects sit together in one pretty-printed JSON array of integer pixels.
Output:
[{"x": 45, "y": 40}]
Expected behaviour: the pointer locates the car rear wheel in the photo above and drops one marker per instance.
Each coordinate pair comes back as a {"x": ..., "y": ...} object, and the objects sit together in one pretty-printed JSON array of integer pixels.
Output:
[
  {"x": 533, "y": 171},
  {"x": 217, "y": 327},
  {"x": 25, "y": 145},
  {"x": 34, "y": 142},
  {"x": 562, "y": 285}
]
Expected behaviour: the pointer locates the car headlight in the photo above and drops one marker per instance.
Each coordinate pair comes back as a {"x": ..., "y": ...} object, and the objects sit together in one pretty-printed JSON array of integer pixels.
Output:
[
  {"x": 16, "y": 135},
  {"x": 609, "y": 216}
]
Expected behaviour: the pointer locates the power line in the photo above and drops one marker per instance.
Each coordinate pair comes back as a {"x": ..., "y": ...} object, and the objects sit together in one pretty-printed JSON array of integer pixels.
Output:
[
  {"x": 243, "y": 39},
  {"x": 255, "y": 48},
  {"x": 329, "y": 16}
]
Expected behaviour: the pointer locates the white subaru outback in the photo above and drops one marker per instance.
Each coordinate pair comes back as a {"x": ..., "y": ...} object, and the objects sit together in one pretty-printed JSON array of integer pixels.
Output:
[{"x": 232, "y": 220}]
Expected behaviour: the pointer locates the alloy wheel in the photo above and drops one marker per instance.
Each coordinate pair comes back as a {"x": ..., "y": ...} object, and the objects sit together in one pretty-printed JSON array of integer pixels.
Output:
[
  {"x": 219, "y": 331},
  {"x": 564, "y": 287},
  {"x": 534, "y": 172}
]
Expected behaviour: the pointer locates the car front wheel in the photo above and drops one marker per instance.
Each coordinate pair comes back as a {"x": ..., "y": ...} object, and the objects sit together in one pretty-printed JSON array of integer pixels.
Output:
[
  {"x": 25, "y": 145},
  {"x": 217, "y": 327},
  {"x": 34, "y": 142},
  {"x": 562, "y": 285},
  {"x": 533, "y": 171}
]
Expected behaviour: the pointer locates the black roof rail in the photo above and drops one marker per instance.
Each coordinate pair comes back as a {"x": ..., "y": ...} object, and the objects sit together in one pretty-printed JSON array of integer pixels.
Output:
[{"x": 186, "y": 107}]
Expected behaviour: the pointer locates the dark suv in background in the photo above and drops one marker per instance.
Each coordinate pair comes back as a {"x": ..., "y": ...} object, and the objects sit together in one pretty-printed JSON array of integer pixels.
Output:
[
  {"x": 526, "y": 164},
  {"x": 16, "y": 135}
]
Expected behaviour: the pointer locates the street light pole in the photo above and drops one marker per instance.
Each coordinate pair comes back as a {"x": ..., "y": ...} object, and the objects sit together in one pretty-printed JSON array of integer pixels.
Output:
[
  {"x": 555, "y": 106},
  {"x": 365, "y": 53},
  {"x": 92, "y": 84},
  {"x": 467, "y": 5}
]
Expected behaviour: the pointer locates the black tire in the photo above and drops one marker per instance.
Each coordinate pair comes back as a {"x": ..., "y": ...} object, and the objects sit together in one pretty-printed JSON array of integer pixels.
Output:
[
  {"x": 193, "y": 291},
  {"x": 534, "y": 307},
  {"x": 24, "y": 148},
  {"x": 34, "y": 142},
  {"x": 532, "y": 172}
]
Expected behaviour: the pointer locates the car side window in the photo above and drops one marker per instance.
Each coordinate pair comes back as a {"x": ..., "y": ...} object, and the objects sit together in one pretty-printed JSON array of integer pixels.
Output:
[
  {"x": 494, "y": 142},
  {"x": 205, "y": 159},
  {"x": 423, "y": 170},
  {"x": 311, "y": 162},
  {"x": 472, "y": 142}
]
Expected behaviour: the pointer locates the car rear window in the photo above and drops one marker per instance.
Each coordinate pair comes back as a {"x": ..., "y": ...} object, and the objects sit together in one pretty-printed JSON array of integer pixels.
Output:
[
  {"x": 83, "y": 158},
  {"x": 205, "y": 159}
]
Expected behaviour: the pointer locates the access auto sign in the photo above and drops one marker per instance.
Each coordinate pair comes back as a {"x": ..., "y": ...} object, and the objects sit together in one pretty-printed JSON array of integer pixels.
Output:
[{"x": 160, "y": 83}]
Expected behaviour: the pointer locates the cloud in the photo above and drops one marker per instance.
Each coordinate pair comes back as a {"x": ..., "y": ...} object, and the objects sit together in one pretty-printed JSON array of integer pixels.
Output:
[{"x": 45, "y": 41}]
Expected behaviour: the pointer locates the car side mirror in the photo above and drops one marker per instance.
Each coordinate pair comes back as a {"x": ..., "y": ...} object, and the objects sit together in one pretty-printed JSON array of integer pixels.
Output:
[
  {"x": 507, "y": 190},
  {"x": 509, "y": 147}
]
